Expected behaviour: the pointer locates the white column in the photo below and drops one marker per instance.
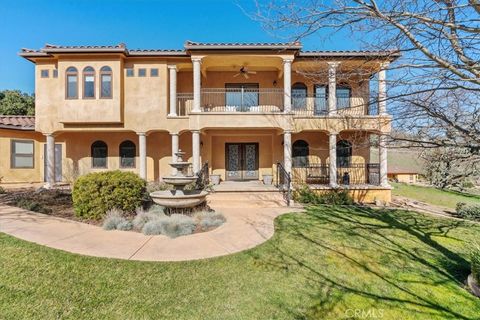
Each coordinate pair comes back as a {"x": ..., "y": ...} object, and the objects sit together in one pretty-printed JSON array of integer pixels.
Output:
[
  {"x": 142, "y": 147},
  {"x": 287, "y": 85},
  {"x": 383, "y": 160},
  {"x": 197, "y": 79},
  {"x": 332, "y": 87},
  {"x": 50, "y": 160},
  {"x": 287, "y": 151},
  {"x": 332, "y": 142},
  {"x": 382, "y": 89},
  {"x": 174, "y": 150},
  {"x": 196, "y": 151},
  {"x": 172, "y": 70}
]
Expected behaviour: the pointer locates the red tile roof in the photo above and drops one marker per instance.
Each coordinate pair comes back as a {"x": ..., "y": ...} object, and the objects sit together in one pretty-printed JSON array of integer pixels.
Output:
[
  {"x": 17, "y": 122},
  {"x": 121, "y": 48}
]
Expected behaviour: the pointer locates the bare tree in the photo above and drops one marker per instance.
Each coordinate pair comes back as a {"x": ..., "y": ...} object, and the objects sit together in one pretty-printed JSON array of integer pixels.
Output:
[{"x": 434, "y": 88}]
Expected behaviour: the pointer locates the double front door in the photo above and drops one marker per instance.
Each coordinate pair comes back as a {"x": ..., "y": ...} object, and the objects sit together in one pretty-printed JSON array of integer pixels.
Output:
[{"x": 241, "y": 161}]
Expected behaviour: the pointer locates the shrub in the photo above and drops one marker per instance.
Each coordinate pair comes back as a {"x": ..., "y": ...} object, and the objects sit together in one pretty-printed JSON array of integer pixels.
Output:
[
  {"x": 209, "y": 219},
  {"x": 115, "y": 221},
  {"x": 2, "y": 190},
  {"x": 475, "y": 258},
  {"x": 470, "y": 212},
  {"x": 142, "y": 216},
  {"x": 32, "y": 205},
  {"x": 177, "y": 225},
  {"x": 96, "y": 193},
  {"x": 333, "y": 197},
  {"x": 154, "y": 227},
  {"x": 157, "y": 186}
]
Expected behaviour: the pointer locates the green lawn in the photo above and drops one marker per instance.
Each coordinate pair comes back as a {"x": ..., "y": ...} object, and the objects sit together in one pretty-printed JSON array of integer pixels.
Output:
[
  {"x": 434, "y": 196},
  {"x": 325, "y": 264}
]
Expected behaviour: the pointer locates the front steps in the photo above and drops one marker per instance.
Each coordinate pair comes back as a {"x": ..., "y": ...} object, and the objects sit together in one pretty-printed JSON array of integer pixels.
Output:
[{"x": 246, "y": 199}]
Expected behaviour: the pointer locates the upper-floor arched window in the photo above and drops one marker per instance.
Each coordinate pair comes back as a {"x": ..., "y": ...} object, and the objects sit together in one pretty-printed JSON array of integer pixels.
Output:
[
  {"x": 88, "y": 82},
  {"x": 300, "y": 153},
  {"x": 127, "y": 152},
  {"x": 321, "y": 96},
  {"x": 105, "y": 82},
  {"x": 299, "y": 96},
  {"x": 344, "y": 93},
  {"x": 344, "y": 154},
  {"x": 71, "y": 85},
  {"x": 99, "y": 154}
]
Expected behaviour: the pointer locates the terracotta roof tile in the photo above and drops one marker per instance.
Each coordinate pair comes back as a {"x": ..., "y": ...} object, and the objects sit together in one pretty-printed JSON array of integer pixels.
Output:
[{"x": 17, "y": 122}]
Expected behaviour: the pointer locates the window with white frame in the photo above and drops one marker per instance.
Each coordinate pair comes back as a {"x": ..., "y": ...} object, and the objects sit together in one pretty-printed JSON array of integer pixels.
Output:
[{"x": 22, "y": 154}]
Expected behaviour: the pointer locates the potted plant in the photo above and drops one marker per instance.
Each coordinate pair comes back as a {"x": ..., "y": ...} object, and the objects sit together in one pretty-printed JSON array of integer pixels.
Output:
[
  {"x": 215, "y": 179},
  {"x": 267, "y": 179}
]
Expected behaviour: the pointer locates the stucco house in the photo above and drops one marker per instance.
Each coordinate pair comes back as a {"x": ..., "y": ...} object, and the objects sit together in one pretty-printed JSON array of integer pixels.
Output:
[{"x": 248, "y": 109}]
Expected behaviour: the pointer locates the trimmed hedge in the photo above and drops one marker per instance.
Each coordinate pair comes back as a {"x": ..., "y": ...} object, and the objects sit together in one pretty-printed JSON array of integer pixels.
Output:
[
  {"x": 96, "y": 193},
  {"x": 305, "y": 195}
]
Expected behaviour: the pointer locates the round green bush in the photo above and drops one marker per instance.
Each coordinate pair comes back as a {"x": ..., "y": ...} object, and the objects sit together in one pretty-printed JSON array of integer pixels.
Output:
[{"x": 96, "y": 193}]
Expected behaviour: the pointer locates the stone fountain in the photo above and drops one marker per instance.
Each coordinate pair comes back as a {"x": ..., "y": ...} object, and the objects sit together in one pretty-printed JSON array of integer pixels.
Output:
[{"x": 178, "y": 197}]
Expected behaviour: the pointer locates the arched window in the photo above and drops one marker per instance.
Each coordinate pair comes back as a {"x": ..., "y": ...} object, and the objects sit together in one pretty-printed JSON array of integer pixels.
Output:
[
  {"x": 71, "y": 86},
  {"x": 105, "y": 82},
  {"x": 299, "y": 96},
  {"x": 321, "y": 96},
  {"x": 99, "y": 154},
  {"x": 127, "y": 154},
  {"x": 344, "y": 154},
  {"x": 344, "y": 93},
  {"x": 88, "y": 82},
  {"x": 300, "y": 154}
]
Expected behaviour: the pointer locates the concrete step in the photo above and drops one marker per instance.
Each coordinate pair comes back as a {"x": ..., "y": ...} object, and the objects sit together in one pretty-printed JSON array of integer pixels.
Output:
[{"x": 246, "y": 199}]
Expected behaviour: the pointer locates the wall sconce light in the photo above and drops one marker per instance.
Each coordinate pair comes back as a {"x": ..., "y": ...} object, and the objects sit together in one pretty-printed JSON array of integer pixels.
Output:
[
  {"x": 201, "y": 144},
  {"x": 274, "y": 83}
]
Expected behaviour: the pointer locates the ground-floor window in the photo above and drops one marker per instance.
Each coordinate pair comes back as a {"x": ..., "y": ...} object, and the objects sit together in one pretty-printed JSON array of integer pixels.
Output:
[
  {"x": 99, "y": 154},
  {"x": 300, "y": 154},
  {"x": 22, "y": 154},
  {"x": 344, "y": 154},
  {"x": 127, "y": 154}
]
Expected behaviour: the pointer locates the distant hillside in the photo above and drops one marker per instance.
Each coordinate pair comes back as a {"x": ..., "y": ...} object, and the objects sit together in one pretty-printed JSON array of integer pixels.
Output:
[{"x": 401, "y": 161}]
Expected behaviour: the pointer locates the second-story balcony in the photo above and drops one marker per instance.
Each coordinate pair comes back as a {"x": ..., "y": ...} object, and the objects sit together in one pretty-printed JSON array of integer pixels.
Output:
[
  {"x": 244, "y": 98},
  {"x": 251, "y": 99}
]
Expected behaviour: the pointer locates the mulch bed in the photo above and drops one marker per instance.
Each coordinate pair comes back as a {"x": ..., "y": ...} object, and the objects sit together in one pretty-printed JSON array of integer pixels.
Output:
[{"x": 56, "y": 202}]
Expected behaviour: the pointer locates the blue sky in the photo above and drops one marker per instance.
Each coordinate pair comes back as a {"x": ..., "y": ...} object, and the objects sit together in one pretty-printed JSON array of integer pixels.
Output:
[{"x": 138, "y": 23}]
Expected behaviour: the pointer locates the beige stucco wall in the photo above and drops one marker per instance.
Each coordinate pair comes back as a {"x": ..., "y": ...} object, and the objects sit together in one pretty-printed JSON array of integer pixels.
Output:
[
  {"x": 12, "y": 175},
  {"x": 370, "y": 195}
]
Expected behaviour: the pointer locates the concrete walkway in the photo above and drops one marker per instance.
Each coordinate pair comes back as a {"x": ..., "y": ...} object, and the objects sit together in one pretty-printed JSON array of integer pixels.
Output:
[{"x": 245, "y": 228}]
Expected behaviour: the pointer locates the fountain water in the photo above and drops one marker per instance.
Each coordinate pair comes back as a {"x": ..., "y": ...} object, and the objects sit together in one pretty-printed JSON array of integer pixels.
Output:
[{"x": 178, "y": 197}]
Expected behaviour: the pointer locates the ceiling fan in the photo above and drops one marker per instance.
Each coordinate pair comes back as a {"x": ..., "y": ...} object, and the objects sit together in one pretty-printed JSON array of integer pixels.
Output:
[{"x": 244, "y": 72}]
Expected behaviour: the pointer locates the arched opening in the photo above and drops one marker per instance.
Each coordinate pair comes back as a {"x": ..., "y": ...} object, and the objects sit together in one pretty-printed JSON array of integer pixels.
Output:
[
  {"x": 99, "y": 154},
  {"x": 105, "y": 82},
  {"x": 127, "y": 153},
  {"x": 300, "y": 153},
  {"x": 88, "y": 82},
  {"x": 71, "y": 86},
  {"x": 299, "y": 96},
  {"x": 344, "y": 154}
]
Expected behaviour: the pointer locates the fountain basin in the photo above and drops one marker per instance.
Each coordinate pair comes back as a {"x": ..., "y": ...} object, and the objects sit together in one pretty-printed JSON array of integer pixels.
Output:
[
  {"x": 179, "y": 180},
  {"x": 175, "y": 199}
]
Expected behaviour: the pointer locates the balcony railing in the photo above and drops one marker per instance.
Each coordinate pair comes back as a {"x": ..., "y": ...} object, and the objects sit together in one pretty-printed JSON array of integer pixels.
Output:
[
  {"x": 232, "y": 100},
  {"x": 353, "y": 174},
  {"x": 248, "y": 100}
]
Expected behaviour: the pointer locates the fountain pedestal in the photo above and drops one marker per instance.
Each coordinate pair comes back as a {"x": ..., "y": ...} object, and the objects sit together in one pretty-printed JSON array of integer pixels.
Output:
[{"x": 178, "y": 197}]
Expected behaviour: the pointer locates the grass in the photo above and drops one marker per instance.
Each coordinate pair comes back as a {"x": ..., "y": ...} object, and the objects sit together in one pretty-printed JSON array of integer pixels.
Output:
[
  {"x": 434, "y": 196},
  {"x": 324, "y": 264}
]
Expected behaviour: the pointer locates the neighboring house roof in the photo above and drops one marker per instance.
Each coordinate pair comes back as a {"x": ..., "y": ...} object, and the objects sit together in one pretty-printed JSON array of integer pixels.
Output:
[
  {"x": 17, "y": 122},
  {"x": 49, "y": 50}
]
